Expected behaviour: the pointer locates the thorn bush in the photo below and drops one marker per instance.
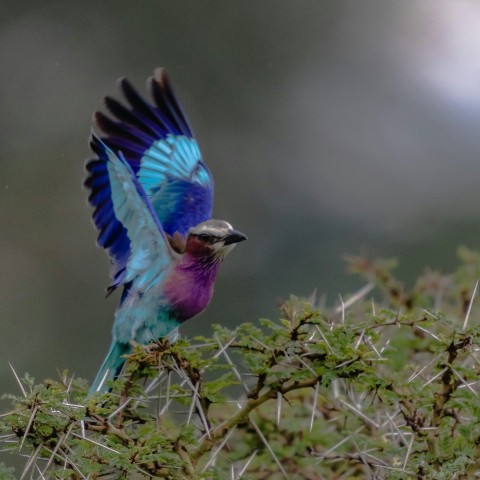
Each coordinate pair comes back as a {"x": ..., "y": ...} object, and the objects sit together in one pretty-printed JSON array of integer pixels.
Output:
[{"x": 385, "y": 386}]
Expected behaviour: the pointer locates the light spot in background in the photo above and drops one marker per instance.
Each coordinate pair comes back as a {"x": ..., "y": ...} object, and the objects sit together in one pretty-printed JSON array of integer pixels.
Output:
[
  {"x": 385, "y": 138},
  {"x": 443, "y": 49}
]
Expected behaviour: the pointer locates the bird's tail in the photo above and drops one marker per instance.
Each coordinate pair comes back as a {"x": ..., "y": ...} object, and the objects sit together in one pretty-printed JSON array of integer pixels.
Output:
[{"x": 111, "y": 367}]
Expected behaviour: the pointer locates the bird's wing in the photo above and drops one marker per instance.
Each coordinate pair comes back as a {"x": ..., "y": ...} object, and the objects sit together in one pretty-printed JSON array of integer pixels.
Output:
[
  {"x": 128, "y": 226},
  {"x": 158, "y": 144}
]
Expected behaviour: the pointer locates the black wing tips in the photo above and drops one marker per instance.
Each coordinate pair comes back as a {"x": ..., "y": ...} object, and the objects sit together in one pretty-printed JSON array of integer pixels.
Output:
[{"x": 139, "y": 119}]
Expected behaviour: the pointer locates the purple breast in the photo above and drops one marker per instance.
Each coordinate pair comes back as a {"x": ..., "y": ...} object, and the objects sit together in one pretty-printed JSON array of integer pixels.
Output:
[{"x": 189, "y": 288}]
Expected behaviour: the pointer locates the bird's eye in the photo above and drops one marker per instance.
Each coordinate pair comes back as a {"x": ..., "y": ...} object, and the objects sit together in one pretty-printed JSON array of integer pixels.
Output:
[{"x": 204, "y": 237}]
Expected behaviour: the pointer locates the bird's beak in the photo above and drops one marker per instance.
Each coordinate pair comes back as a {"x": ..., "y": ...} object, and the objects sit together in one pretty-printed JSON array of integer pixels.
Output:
[{"x": 234, "y": 237}]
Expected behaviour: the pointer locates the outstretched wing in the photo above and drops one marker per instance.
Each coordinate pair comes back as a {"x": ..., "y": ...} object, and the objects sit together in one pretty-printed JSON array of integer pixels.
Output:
[
  {"x": 158, "y": 144},
  {"x": 128, "y": 226}
]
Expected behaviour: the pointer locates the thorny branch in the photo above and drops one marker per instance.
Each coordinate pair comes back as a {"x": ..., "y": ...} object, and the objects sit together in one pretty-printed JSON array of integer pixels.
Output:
[{"x": 389, "y": 390}]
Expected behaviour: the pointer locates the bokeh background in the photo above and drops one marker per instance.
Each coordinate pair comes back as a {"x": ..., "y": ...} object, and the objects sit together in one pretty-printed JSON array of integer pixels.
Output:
[{"x": 331, "y": 126}]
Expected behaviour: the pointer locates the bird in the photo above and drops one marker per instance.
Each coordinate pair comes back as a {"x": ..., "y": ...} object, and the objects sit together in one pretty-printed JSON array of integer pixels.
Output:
[{"x": 152, "y": 196}]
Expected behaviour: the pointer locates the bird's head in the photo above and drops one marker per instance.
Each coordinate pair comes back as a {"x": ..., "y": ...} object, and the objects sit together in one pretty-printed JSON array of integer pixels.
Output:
[{"x": 213, "y": 237}]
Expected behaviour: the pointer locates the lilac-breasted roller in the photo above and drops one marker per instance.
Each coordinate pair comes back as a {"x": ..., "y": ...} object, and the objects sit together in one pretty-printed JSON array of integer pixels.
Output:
[{"x": 153, "y": 196}]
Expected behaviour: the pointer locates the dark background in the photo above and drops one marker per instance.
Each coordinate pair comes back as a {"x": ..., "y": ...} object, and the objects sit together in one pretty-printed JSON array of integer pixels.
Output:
[{"x": 331, "y": 127}]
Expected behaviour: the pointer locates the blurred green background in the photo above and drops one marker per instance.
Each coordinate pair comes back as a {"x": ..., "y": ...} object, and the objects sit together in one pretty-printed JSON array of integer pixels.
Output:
[{"x": 331, "y": 127}]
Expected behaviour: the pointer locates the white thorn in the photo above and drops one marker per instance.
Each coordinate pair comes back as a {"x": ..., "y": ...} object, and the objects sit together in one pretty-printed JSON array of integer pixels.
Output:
[
  {"x": 249, "y": 461},
  {"x": 279, "y": 408},
  {"x": 30, "y": 421},
  {"x": 342, "y": 309},
  {"x": 359, "y": 413},
  {"x": 467, "y": 316},
  {"x": 218, "y": 450},
  {"x": 18, "y": 380},
  {"x": 269, "y": 448},
  {"x": 354, "y": 298},
  {"x": 314, "y": 406},
  {"x": 324, "y": 338},
  {"x": 427, "y": 332},
  {"x": 409, "y": 449},
  {"x": 435, "y": 377}
]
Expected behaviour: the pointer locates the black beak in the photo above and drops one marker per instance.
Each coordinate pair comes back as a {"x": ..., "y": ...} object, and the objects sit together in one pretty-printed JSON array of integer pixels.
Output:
[{"x": 234, "y": 237}]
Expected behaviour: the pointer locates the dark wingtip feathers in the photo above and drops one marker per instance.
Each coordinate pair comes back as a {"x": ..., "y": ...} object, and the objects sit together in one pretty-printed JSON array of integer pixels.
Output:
[
  {"x": 100, "y": 120},
  {"x": 166, "y": 101},
  {"x": 121, "y": 81},
  {"x": 130, "y": 93},
  {"x": 161, "y": 80},
  {"x": 96, "y": 146},
  {"x": 160, "y": 76}
]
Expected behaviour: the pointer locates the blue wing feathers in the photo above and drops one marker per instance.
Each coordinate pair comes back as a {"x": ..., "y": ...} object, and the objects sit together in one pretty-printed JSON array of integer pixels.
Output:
[
  {"x": 157, "y": 142},
  {"x": 187, "y": 201},
  {"x": 122, "y": 131},
  {"x": 128, "y": 226},
  {"x": 143, "y": 195},
  {"x": 112, "y": 234}
]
